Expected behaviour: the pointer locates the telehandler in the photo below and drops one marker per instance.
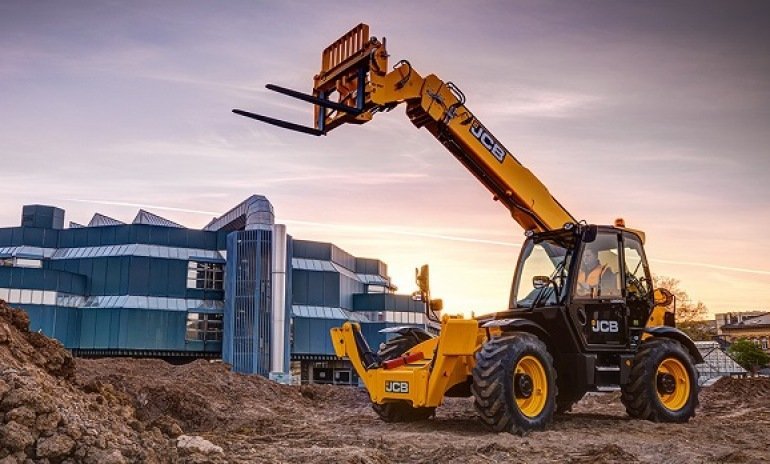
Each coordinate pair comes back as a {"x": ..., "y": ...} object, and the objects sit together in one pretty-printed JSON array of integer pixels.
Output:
[{"x": 583, "y": 314}]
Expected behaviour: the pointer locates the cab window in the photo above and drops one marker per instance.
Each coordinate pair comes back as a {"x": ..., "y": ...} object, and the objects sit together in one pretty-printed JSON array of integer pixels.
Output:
[
  {"x": 637, "y": 283},
  {"x": 599, "y": 268}
]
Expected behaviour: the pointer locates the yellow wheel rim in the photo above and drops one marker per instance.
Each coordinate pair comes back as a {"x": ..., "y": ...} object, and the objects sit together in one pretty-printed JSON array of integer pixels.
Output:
[
  {"x": 530, "y": 386},
  {"x": 673, "y": 384}
]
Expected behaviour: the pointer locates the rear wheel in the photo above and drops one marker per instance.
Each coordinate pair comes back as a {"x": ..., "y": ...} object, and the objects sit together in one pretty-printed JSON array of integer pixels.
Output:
[
  {"x": 400, "y": 344},
  {"x": 401, "y": 411},
  {"x": 664, "y": 383},
  {"x": 514, "y": 384}
]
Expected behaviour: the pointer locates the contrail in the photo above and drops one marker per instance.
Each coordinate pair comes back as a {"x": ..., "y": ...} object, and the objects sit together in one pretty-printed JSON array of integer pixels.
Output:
[
  {"x": 139, "y": 205},
  {"x": 390, "y": 230},
  {"x": 711, "y": 266}
]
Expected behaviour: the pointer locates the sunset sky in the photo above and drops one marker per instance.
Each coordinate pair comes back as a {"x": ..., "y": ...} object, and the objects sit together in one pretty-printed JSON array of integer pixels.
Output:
[{"x": 657, "y": 112}]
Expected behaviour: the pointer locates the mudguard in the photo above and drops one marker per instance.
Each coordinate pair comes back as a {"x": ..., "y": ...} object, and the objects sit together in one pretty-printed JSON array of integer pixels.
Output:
[
  {"x": 524, "y": 325},
  {"x": 678, "y": 335},
  {"x": 419, "y": 333}
]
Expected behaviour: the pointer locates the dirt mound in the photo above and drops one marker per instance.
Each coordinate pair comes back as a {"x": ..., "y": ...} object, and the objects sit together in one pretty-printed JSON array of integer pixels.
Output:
[
  {"x": 140, "y": 410},
  {"x": 198, "y": 397},
  {"x": 750, "y": 390},
  {"x": 44, "y": 417},
  {"x": 733, "y": 397},
  {"x": 20, "y": 348}
]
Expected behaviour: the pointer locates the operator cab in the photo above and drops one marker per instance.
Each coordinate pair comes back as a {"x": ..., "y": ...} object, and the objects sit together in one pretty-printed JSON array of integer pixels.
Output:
[{"x": 599, "y": 274}]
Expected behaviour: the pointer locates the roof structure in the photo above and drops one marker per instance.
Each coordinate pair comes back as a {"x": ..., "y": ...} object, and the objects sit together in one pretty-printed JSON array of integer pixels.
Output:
[
  {"x": 716, "y": 363},
  {"x": 75, "y": 225},
  {"x": 146, "y": 217},
  {"x": 751, "y": 322},
  {"x": 255, "y": 212},
  {"x": 100, "y": 220}
]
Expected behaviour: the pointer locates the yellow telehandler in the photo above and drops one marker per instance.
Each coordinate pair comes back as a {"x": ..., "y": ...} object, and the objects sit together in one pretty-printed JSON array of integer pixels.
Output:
[{"x": 583, "y": 314}]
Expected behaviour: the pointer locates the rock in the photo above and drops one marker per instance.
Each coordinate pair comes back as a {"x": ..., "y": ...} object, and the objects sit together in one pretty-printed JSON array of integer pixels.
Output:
[
  {"x": 105, "y": 457},
  {"x": 23, "y": 415},
  {"x": 15, "y": 436},
  {"x": 168, "y": 426},
  {"x": 56, "y": 446},
  {"x": 34, "y": 399},
  {"x": 48, "y": 421},
  {"x": 18, "y": 318},
  {"x": 4, "y": 388},
  {"x": 5, "y": 333},
  {"x": 9, "y": 460},
  {"x": 196, "y": 444}
]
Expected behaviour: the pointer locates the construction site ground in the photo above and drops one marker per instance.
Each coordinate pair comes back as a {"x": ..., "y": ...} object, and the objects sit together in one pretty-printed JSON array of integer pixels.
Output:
[{"x": 54, "y": 409}]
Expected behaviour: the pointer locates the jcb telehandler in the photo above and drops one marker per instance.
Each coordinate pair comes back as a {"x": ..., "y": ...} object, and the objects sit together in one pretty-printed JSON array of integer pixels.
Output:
[{"x": 583, "y": 315}]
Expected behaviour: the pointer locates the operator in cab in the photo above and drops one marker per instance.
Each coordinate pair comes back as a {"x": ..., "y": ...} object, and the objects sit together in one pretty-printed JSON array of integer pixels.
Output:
[{"x": 595, "y": 279}]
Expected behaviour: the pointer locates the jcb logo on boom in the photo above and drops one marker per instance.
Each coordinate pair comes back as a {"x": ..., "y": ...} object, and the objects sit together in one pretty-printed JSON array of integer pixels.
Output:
[
  {"x": 604, "y": 326},
  {"x": 396, "y": 387},
  {"x": 489, "y": 142}
]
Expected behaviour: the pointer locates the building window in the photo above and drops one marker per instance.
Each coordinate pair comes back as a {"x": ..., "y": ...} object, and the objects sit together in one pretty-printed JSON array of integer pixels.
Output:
[
  {"x": 376, "y": 288},
  {"x": 20, "y": 262},
  {"x": 764, "y": 343},
  {"x": 205, "y": 276},
  {"x": 23, "y": 262},
  {"x": 204, "y": 327}
]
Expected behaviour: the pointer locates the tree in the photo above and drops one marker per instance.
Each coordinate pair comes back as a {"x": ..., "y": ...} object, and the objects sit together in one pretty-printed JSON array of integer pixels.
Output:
[
  {"x": 690, "y": 315},
  {"x": 748, "y": 355}
]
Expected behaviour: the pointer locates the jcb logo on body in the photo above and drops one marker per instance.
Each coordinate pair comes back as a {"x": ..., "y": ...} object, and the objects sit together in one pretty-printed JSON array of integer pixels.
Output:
[
  {"x": 604, "y": 326},
  {"x": 489, "y": 142},
  {"x": 396, "y": 387}
]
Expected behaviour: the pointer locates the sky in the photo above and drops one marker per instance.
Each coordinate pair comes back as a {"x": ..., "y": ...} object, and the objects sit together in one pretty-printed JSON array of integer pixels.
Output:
[{"x": 657, "y": 112}]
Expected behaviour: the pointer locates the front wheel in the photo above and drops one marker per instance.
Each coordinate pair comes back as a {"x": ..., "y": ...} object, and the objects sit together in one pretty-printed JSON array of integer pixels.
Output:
[
  {"x": 663, "y": 386},
  {"x": 514, "y": 384}
]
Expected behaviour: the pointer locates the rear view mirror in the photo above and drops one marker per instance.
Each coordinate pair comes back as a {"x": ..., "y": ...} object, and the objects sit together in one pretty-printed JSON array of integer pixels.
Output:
[
  {"x": 436, "y": 305},
  {"x": 589, "y": 233},
  {"x": 540, "y": 281}
]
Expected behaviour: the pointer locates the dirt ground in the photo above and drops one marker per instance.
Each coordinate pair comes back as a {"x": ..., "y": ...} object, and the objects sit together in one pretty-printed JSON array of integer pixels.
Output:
[{"x": 125, "y": 410}]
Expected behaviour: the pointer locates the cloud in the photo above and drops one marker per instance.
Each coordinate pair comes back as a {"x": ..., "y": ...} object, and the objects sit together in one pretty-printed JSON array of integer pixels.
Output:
[{"x": 539, "y": 103}]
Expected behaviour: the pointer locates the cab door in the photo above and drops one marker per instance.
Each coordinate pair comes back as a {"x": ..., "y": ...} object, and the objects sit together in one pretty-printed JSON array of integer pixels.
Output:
[
  {"x": 598, "y": 304},
  {"x": 637, "y": 286}
]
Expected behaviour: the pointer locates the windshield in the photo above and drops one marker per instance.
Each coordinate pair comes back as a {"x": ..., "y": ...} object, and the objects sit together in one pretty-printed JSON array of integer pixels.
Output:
[{"x": 544, "y": 258}]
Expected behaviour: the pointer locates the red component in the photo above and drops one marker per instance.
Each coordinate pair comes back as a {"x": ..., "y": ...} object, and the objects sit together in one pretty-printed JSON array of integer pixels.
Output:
[{"x": 401, "y": 360}]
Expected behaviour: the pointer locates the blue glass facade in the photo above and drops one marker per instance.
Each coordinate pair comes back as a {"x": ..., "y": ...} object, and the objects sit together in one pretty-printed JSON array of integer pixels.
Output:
[
  {"x": 110, "y": 289},
  {"x": 248, "y": 317},
  {"x": 235, "y": 289}
]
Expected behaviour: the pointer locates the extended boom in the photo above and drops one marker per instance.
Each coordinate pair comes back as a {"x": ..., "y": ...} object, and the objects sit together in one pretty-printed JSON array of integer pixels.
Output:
[{"x": 354, "y": 69}]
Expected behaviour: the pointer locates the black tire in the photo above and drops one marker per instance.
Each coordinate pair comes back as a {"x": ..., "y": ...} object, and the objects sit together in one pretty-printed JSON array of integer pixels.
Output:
[
  {"x": 400, "y": 344},
  {"x": 645, "y": 394},
  {"x": 495, "y": 391},
  {"x": 401, "y": 411}
]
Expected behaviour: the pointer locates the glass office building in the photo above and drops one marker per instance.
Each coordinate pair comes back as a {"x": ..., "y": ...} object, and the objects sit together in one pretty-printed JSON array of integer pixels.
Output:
[{"x": 240, "y": 288}]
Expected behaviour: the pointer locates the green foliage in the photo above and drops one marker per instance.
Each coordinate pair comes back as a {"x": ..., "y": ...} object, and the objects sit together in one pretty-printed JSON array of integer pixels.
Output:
[{"x": 748, "y": 355}]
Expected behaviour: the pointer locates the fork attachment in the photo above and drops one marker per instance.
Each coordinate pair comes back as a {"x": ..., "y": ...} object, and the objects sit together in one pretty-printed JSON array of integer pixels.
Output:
[{"x": 340, "y": 89}]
